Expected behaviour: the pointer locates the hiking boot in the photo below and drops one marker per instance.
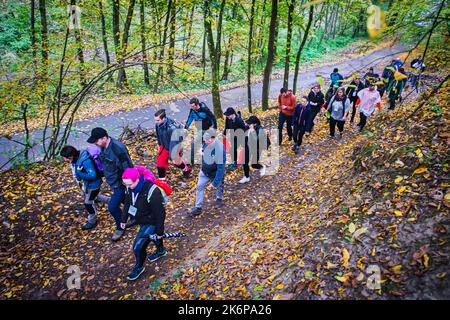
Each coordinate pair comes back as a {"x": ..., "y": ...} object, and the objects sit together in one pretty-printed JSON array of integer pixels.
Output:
[
  {"x": 117, "y": 235},
  {"x": 155, "y": 256},
  {"x": 135, "y": 273},
  {"x": 290, "y": 138},
  {"x": 89, "y": 225},
  {"x": 294, "y": 147},
  {"x": 187, "y": 173},
  {"x": 195, "y": 212},
  {"x": 218, "y": 203},
  {"x": 297, "y": 150},
  {"x": 262, "y": 171},
  {"x": 244, "y": 180},
  {"x": 130, "y": 223}
]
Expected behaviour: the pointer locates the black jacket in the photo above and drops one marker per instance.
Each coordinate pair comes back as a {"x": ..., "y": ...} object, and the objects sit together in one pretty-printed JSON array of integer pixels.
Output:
[
  {"x": 318, "y": 99},
  {"x": 148, "y": 212},
  {"x": 351, "y": 88},
  {"x": 115, "y": 159}
]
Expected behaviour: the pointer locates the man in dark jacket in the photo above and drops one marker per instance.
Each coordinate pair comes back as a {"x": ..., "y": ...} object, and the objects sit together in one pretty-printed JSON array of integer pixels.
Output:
[
  {"x": 316, "y": 101},
  {"x": 302, "y": 123},
  {"x": 352, "y": 93},
  {"x": 204, "y": 119},
  {"x": 235, "y": 134},
  {"x": 169, "y": 141},
  {"x": 144, "y": 200},
  {"x": 213, "y": 170},
  {"x": 115, "y": 159}
]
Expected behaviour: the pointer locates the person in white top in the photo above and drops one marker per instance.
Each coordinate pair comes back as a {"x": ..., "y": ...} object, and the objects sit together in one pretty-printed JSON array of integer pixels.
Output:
[{"x": 368, "y": 99}]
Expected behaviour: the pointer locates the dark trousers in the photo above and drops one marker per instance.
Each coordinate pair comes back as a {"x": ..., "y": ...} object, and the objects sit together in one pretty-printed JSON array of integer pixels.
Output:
[
  {"x": 392, "y": 103},
  {"x": 298, "y": 134},
  {"x": 333, "y": 123},
  {"x": 282, "y": 118},
  {"x": 314, "y": 113},
  {"x": 142, "y": 241},
  {"x": 117, "y": 198},
  {"x": 362, "y": 121},
  {"x": 353, "y": 102},
  {"x": 246, "y": 167}
]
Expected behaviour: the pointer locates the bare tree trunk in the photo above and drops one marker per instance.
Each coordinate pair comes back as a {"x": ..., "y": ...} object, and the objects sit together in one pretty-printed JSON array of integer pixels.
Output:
[
  {"x": 143, "y": 44},
  {"x": 300, "y": 49},
  {"x": 260, "y": 34},
  {"x": 173, "y": 13},
  {"x": 214, "y": 60},
  {"x": 288, "y": 44},
  {"x": 104, "y": 37},
  {"x": 188, "y": 41},
  {"x": 44, "y": 32},
  {"x": 249, "y": 57},
  {"x": 204, "y": 52},
  {"x": 163, "y": 46},
  {"x": 122, "y": 77},
  {"x": 219, "y": 34},
  {"x": 33, "y": 32},
  {"x": 79, "y": 43},
  {"x": 116, "y": 26},
  {"x": 229, "y": 47},
  {"x": 271, "y": 52}
]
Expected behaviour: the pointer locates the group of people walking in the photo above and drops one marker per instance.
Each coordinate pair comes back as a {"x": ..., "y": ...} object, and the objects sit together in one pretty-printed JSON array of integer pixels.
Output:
[{"x": 144, "y": 196}]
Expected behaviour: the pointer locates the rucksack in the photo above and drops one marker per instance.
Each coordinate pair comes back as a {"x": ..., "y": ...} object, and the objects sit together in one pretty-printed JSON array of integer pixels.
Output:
[
  {"x": 166, "y": 199},
  {"x": 94, "y": 153}
]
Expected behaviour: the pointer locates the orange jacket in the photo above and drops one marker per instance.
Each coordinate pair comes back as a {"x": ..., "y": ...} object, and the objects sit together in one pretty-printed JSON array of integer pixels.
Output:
[{"x": 290, "y": 101}]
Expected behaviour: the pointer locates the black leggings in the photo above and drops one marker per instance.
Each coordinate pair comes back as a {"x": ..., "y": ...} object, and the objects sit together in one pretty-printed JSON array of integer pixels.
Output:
[
  {"x": 142, "y": 241},
  {"x": 333, "y": 123},
  {"x": 246, "y": 167}
]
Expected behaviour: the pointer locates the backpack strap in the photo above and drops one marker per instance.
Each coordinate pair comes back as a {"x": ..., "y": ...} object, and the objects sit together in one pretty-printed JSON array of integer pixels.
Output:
[{"x": 150, "y": 192}]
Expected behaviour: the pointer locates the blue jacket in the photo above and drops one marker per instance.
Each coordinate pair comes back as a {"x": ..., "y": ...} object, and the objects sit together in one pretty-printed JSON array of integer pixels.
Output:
[
  {"x": 213, "y": 166},
  {"x": 164, "y": 134},
  {"x": 302, "y": 117},
  {"x": 84, "y": 170},
  {"x": 335, "y": 77},
  {"x": 204, "y": 115},
  {"x": 115, "y": 159}
]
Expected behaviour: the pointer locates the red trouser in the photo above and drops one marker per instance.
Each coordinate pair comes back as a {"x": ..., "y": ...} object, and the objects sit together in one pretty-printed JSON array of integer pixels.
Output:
[{"x": 162, "y": 162}]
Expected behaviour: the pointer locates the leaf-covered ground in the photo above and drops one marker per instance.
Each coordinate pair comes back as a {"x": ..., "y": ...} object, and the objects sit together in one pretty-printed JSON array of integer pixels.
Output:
[{"x": 378, "y": 199}]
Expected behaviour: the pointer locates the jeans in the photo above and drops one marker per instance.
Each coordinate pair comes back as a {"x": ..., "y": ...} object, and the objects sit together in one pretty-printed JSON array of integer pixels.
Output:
[
  {"x": 203, "y": 180},
  {"x": 333, "y": 123},
  {"x": 117, "y": 198},
  {"x": 362, "y": 121},
  {"x": 282, "y": 118},
  {"x": 142, "y": 241}
]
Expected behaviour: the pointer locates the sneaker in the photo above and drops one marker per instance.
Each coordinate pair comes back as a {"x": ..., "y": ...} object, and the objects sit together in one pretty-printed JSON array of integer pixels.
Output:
[
  {"x": 117, "y": 235},
  {"x": 297, "y": 150},
  {"x": 340, "y": 135},
  {"x": 262, "y": 171},
  {"x": 155, "y": 256},
  {"x": 294, "y": 147},
  {"x": 244, "y": 180},
  {"x": 195, "y": 211},
  {"x": 218, "y": 203},
  {"x": 290, "y": 138},
  {"x": 135, "y": 273},
  {"x": 89, "y": 225},
  {"x": 130, "y": 223}
]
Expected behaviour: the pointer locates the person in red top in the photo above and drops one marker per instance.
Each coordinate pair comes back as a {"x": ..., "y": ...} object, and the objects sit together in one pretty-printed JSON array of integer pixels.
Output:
[{"x": 286, "y": 105}]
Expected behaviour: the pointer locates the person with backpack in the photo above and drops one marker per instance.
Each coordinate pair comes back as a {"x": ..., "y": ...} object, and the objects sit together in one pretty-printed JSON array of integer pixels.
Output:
[
  {"x": 316, "y": 101},
  {"x": 286, "y": 106},
  {"x": 145, "y": 200},
  {"x": 368, "y": 99},
  {"x": 204, "y": 119},
  {"x": 169, "y": 145},
  {"x": 397, "y": 87},
  {"x": 352, "y": 93},
  {"x": 336, "y": 78},
  {"x": 256, "y": 141},
  {"x": 115, "y": 160},
  {"x": 370, "y": 77},
  {"x": 339, "y": 107},
  {"x": 302, "y": 123},
  {"x": 387, "y": 77},
  {"x": 89, "y": 180},
  {"x": 235, "y": 134},
  {"x": 212, "y": 171}
]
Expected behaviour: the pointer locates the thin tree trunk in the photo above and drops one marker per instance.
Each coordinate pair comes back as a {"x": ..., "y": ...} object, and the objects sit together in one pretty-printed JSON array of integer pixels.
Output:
[
  {"x": 260, "y": 34},
  {"x": 163, "y": 46},
  {"x": 204, "y": 51},
  {"x": 300, "y": 49},
  {"x": 229, "y": 47},
  {"x": 214, "y": 60},
  {"x": 249, "y": 57},
  {"x": 44, "y": 32},
  {"x": 170, "y": 70},
  {"x": 288, "y": 44},
  {"x": 219, "y": 34},
  {"x": 143, "y": 44},
  {"x": 188, "y": 41},
  {"x": 116, "y": 27},
  {"x": 122, "y": 77},
  {"x": 271, "y": 52},
  {"x": 33, "y": 32},
  {"x": 79, "y": 43},
  {"x": 104, "y": 37}
]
